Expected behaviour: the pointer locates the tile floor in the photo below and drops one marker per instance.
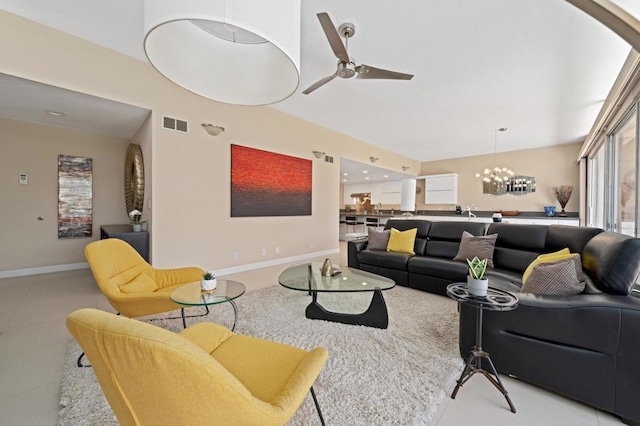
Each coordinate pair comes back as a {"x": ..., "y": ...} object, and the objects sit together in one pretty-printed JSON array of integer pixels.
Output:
[{"x": 33, "y": 340}]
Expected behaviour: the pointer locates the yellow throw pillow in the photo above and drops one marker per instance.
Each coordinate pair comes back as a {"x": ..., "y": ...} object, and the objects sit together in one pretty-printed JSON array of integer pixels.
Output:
[
  {"x": 546, "y": 258},
  {"x": 402, "y": 241}
]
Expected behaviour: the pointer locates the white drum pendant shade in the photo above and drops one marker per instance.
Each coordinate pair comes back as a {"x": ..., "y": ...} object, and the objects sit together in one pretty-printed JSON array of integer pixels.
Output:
[
  {"x": 408, "y": 195},
  {"x": 243, "y": 52}
]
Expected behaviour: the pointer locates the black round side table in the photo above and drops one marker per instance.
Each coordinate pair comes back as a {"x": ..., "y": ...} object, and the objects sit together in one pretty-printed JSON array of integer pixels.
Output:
[{"x": 495, "y": 300}]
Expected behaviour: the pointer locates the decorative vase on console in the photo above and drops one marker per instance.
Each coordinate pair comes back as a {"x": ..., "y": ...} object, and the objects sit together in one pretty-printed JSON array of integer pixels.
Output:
[
  {"x": 477, "y": 284},
  {"x": 550, "y": 211},
  {"x": 563, "y": 193}
]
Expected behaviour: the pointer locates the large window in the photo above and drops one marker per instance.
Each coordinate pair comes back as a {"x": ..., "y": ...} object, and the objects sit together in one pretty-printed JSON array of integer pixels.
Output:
[
  {"x": 625, "y": 148},
  {"x": 597, "y": 184},
  {"x": 613, "y": 174}
]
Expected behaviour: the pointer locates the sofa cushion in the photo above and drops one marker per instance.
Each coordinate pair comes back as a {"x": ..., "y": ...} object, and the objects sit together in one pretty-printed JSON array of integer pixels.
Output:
[
  {"x": 555, "y": 278},
  {"x": 504, "y": 280},
  {"x": 452, "y": 231},
  {"x": 422, "y": 227},
  {"x": 472, "y": 246},
  {"x": 378, "y": 238},
  {"x": 441, "y": 268},
  {"x": 444, "y": 237},
  {"x": 521, "y": 237},
  {"x": 402, "y": 241},
  {"x": 573, "y": 237},
  {"x": 547, "y": 257},
  {"x": 384, "y": 259},
  {"x": 612, "y": 261}
]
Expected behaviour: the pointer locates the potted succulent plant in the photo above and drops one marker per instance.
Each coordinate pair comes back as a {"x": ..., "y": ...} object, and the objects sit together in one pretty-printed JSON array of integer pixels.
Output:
[
  {"x": 208, "y": 282},
  {"x": 477, "y": 284}
]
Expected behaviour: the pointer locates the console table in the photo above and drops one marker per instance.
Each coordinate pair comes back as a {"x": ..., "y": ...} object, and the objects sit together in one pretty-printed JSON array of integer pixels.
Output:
[{"x": 137, "y": 240}]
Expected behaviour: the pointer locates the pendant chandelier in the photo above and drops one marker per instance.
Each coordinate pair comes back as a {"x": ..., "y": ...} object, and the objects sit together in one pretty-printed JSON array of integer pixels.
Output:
[{"x": 495, "y": 180}]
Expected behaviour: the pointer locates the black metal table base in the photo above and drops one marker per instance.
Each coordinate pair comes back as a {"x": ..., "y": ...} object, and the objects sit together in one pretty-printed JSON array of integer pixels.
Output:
[
  {"x": 474, "y": 365},
  {"x": 235, "y": 315},
  {"x": 376, "y": 314}
]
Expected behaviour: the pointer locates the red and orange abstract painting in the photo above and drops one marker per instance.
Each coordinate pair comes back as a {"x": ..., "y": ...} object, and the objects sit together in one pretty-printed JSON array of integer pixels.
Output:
[{"x": 265, "y": 183}]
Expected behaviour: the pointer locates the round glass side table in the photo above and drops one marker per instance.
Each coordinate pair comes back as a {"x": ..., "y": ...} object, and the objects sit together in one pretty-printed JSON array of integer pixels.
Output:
[
  {"x": 495, "y": 300},
  {"x": 191, "y": 295}
]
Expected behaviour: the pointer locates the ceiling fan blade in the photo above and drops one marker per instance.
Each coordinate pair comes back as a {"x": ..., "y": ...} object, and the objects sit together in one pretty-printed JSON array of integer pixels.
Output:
[
  {"x": 365, "y": 71},
  {"x": 319, "y": 83},
  {"x": 334, "y": 38}
]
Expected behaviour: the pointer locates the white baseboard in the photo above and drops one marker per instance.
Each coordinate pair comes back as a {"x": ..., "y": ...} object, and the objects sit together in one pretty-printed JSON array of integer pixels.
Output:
[
  {"x": 219, "y": 272},
  {"x": 43, "y": 270},
  {"x": 274, "y": 262}
]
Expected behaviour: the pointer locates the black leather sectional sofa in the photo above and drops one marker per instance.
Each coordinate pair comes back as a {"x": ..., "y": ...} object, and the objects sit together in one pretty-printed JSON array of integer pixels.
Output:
[{"x": 586, "y": 347}]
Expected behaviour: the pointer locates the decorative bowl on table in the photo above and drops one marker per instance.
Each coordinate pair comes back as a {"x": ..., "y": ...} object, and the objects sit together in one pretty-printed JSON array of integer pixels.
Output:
[{"x": 550, "y": 210}]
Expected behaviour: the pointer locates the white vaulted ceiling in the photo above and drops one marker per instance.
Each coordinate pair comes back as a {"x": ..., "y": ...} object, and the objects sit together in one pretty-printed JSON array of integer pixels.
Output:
[{"x": 541, "y": 68}]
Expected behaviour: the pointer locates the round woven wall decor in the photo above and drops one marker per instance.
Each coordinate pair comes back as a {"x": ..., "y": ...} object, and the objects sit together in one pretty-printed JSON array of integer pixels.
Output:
[{"x": 134, "y": 178}]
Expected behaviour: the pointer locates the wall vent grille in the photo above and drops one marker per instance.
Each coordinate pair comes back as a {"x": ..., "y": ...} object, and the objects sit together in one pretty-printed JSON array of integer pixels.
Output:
[
  {"x": 328, "y": 159},
  {"x": 175, "y": 124}
]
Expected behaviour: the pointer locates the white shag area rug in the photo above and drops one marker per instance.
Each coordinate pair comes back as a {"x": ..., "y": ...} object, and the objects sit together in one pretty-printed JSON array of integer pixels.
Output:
[{"x": 395, "y": 376}]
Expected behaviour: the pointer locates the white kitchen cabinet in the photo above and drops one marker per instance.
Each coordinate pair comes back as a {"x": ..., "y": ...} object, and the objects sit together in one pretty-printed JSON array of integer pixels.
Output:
[
  {"x": 388, "y": 193},
  {"x": 441, "y": 189},
  {"x": 355, "y": 188}
]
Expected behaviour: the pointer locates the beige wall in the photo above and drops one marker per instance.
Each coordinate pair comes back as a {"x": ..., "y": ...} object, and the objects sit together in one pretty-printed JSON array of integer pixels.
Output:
[
  {"x": 26, "y": 242},
  {"x": 190, "y": 197},
  {"x": 144, "y": 138},
  {"x": 552, "y": 166}
]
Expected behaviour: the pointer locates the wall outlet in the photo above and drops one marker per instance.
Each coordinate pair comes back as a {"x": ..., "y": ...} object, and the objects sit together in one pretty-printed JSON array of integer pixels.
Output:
[
  {"x": 264, "y": 252},
  {"x": 277, "y": 249},
  {"x": 235, "y": 256}
]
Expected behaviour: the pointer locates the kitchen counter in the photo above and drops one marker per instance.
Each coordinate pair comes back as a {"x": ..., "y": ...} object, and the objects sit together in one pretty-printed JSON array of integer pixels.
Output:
[
  {"x": 349, "y": 232},
  {"x": 451, "y": 214}
]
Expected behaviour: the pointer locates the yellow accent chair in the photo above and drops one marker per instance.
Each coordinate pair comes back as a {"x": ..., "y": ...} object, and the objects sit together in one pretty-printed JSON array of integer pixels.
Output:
[
  {"x": 132, "y": 286},
  {"x": 203, "y": 375}
]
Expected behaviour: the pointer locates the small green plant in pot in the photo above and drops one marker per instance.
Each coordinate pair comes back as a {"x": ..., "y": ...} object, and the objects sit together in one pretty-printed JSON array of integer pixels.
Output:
[
  {"x": 209, "y": 281},
  {"x": 477, "y": 284}
]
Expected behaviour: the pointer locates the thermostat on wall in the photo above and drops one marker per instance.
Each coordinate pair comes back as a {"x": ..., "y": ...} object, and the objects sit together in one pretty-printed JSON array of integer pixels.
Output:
[{"x": 23, "y": 179}]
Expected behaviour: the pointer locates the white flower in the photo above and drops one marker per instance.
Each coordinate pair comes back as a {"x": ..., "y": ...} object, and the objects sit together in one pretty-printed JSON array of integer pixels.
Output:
[{"x": 135, "y": 216}]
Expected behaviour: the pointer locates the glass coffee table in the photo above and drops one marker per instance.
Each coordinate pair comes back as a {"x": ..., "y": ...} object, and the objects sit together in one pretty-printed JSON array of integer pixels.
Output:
[
  {"x": 307, "y": 277},
  {"x": 192, "y": 295}
]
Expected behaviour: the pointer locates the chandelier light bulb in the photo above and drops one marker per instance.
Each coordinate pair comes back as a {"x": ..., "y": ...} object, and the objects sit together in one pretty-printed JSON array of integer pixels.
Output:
[{"x": 477, "y": 174}]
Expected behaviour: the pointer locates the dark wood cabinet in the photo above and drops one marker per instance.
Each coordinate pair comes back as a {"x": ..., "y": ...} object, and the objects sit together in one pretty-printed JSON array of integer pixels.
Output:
[{"x": 137, "y": 240}]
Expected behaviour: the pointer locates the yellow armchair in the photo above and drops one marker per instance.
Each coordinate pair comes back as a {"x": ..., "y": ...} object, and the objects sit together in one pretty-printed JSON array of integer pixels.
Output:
[
  {"x": 132, "y": 286},
  {"x": 204, "y": 375}
]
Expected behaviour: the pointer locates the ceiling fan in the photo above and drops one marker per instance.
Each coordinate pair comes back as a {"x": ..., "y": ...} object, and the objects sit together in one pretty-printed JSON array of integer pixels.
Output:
[{"x": 346, "y": 66}]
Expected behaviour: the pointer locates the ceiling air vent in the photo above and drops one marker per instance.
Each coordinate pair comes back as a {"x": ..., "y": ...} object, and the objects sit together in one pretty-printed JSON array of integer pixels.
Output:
[{"x": 175, "y": 124}]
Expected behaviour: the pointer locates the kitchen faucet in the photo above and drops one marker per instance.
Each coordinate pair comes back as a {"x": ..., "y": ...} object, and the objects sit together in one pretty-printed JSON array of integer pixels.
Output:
[
  {"x": 378, "y": 207},
  {"x": 468, "y": 209}
]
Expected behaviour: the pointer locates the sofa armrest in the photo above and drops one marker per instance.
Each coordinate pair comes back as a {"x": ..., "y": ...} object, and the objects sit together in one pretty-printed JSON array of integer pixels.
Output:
[{"x": 353, "y": 248}]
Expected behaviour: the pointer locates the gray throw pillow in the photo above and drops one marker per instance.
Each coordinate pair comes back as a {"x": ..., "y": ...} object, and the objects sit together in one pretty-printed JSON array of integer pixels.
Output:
[
  {"x": 378, "y": 238},
  {"x": 471, "y": 246},
  {"x": 559, "y": 278}
]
